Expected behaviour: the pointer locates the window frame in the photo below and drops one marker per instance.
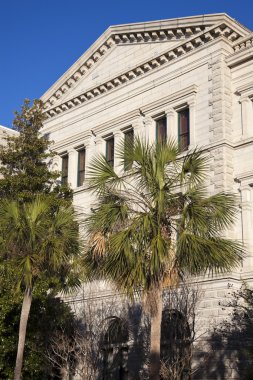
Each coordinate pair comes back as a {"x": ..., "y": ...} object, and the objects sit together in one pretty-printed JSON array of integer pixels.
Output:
[
  {"x": 79, "y": 171},
  {"x": 127, "y": 132},
  {"x": 107, "y": 141},
  {"x": 64, "y": 178},
  {"x": 187, "y": 133},
  {"x": 157, "y": 120}
]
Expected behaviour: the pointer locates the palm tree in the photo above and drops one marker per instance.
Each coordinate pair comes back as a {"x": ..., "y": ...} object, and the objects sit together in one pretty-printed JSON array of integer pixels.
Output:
[
  {"x": 155, "y": 223},
  {"x": 37, "y": 241}
]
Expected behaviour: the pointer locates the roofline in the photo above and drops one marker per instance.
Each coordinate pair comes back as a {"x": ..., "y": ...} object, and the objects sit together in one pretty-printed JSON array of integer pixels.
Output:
[
  {"x": 131, "y": 27},
  {"x": 8, "y": 129},
  {"x": 175, "y": 21}
]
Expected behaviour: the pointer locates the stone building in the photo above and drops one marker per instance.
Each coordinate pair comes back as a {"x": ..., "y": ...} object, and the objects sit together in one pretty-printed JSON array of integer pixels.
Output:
[
  {"x": 188, "y": 78},
  {"x": 4, "y": 133}
]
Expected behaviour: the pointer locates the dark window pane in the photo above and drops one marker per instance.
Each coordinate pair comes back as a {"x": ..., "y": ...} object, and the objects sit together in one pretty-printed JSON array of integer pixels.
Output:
[
  {"x": 110, "y": 151},
  {"x": 161, "y": 129},
  {"x": 81, "y": 167},
  {"x": 183, "y": 142},
  {"x": 129, "y": 140},
  {"x": 183, "y": 129},
  {"x": 65, "y": 164}
]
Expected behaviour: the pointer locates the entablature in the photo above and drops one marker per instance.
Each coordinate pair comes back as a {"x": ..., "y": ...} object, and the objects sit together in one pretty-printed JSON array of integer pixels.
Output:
[
  {"x": 73, "y": 142},
  {"x": 245, "y": 91},
  {"x": 121, "y": 122},
  {"x": 175, "y": 99}
]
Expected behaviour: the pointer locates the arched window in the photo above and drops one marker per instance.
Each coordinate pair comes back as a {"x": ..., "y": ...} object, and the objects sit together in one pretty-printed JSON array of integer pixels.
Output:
[
  {"x": 115, "y": 349},
  {"x": 175, "y": 345}
]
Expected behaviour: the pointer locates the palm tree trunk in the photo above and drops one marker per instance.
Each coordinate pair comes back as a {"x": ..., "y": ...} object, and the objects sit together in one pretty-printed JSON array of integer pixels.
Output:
[
  {"x": 155, "y": 339},
  {"x": 26, "y": 305}
]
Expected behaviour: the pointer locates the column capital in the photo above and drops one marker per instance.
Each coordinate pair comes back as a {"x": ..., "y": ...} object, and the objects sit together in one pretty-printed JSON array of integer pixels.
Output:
[
  {"x": 138, "y": 123},
  {"x": 191, "y": 102},
  {"x": 71, "y": 151},
  {"x": 170, "y": 111},
  {"x": 148, "y": 120},
  {"x": 118, "y": 134},
  {"x": 98, "y": 140},
  {"x": 245, "y": 99}
]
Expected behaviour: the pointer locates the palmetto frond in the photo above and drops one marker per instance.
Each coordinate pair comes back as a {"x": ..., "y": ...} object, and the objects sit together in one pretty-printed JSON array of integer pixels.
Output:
[
  {"x": 101, "y": 175},
  {"x": 38, "y": 239},
  {"x": 156, "y": 221}
]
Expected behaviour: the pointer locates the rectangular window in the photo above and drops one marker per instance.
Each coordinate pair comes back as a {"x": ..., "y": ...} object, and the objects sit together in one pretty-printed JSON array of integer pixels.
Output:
[
  {"x": 183, "y": 129},
  {"x": 128, "y": 140},
  {"x": 65, "y": 167},
  {"x": 81, "y": 167},
  {"x": 110, "y": 151},
  {"x": 161, "y": 129}
]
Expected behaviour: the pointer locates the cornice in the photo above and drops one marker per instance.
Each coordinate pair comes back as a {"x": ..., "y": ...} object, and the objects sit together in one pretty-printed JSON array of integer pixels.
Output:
[
  {"x": 88, "y": 61},
  {"x": 245, "y": 91},
  {"x": 243, "y": 51},
  {"x": 246, "y": 176},
  {"x": 243, "y": 43},
  {"x": 127, "y": 118},
  {"x": 7, "y": 131},
  {"x": 136, "y": 33},
  {"x": 244, "y": 88},
  {"x": 72, "y": 141},
  {"x": 146, "y": 67},
  {"x": 175, "y": 96}
]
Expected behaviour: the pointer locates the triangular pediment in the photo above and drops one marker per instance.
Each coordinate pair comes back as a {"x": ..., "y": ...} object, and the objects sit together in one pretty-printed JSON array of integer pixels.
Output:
[
  {"x": 121, "y": 59},
  {"x": 121, "y": 52}
]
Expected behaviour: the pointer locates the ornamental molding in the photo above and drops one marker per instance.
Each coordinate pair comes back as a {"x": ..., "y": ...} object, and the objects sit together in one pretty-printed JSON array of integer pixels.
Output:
[
  {"x": 137, "y": 33},
  {"x": 243, "y": 43},
  {"x": 243, "y": 51},
  {"x": 191, "y": 33},
  {"x": 244, "y": 177},
  {"x": 245, "y": 92},
  {"x": 72, "y": 142},
  {"x": 140, "y": 37},
  {"x": 183, "y": 96},
  {"x": 116, "y": 123}
]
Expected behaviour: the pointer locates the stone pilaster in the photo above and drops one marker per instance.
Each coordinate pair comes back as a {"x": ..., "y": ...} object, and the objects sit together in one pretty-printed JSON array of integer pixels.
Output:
[
  {"x": 89, "y": 152},
  {"x": 72, "y": 168},
  {"x": 247, "y": 224},
  {"x": 247, "y": 116},
  {"x": 150, "y": 132},
  {"x": 192, "y": 111},
  {"x": 118, "y": 138},
  {"x": 172, "y": 130},
  {"x": 138, "y": 127},
  {"x": 247, "y": 210},
  {"x": 100, "y": 145}
]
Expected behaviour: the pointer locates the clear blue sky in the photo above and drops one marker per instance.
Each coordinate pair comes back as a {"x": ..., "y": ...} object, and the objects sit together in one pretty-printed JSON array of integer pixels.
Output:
[{"x": 41, "y": 39}]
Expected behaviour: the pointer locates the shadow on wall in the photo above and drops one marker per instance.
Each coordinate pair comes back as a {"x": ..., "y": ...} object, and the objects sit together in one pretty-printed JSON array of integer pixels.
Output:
[
  {"x": 122, "y": 357},
  {"x": 231, "y": 344}
]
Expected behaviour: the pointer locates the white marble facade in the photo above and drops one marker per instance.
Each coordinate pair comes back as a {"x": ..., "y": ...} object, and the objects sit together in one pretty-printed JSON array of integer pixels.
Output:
[{"x": 137, "y": 73}]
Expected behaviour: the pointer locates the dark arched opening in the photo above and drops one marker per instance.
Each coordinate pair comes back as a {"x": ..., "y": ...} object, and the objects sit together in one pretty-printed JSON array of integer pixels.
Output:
[{"x": 115, "y": 349}]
